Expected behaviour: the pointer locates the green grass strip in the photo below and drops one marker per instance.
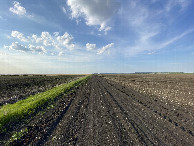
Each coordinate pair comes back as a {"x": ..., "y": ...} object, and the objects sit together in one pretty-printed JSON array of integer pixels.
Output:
[{"x": 20, "y": 109}]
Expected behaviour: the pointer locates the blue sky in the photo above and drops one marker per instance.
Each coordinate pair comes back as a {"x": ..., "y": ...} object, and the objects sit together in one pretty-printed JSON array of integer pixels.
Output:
[{"x": 89, "y": 36}]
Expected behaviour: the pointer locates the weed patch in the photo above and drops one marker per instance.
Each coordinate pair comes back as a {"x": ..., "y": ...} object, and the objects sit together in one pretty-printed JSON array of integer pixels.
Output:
[{"x": 17, "y": 136}]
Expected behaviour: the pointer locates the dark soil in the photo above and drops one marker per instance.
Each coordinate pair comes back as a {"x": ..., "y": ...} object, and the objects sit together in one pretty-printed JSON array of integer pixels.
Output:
[
  {"x": 104, "y": 112},
  {"x": 15, "y": 88}
]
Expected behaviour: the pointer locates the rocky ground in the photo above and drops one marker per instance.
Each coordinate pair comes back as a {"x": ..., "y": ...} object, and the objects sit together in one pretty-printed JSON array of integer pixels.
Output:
[{"x": 105, "y": 112}]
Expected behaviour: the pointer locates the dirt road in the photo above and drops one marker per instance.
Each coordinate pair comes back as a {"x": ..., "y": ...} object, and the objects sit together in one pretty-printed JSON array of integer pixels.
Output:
[{"x": 102, "y": 112}]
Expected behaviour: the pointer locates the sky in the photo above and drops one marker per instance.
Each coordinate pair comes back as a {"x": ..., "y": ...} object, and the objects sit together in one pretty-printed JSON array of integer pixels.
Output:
[{"x": 96, "y": 36}]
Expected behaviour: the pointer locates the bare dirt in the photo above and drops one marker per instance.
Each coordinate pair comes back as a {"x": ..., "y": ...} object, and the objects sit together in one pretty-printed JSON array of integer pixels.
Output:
[
  {"x": 15, "y": 88},
  {"x": 104, "y": 112}
]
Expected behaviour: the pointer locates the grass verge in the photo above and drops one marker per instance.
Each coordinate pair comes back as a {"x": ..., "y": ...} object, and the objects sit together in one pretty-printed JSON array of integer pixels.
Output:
[{"x": 21, "y": 109}]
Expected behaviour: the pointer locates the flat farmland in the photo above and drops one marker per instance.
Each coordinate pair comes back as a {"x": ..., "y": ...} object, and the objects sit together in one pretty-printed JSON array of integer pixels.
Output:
[
  {"x": 116, "y": 110},
  {"x": 14, "y": 88},
  {"x": 175, "y": 88}
]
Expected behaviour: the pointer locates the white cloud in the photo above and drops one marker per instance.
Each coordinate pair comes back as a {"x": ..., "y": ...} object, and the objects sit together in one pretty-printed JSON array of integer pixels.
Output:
[
  {"x": 39, "y": 43},
  {"x": 60, "y": 53},
  {"x": 17, "y": 9},
  {"x": 90, "y": 46},
  {"x": 34, "y": 38},
  {"x": 19, "y": 35},
  {"x": 37, "y": 49},
  {"x": 30, "y": 48},
  {"x": 46, "y": 39},
  {"x": 16, "y": 46},
  {"x": 104, "y": 48},
  {"x": 136, "y": 14},
  {"x": 56, "y": 34},
  {"x": 64, "y": 10},
  {"x": 175, "y": 38},
  {"x": 95, "y": 12},
  {"x": 173, "y": 3},
  {"x": 146, "y": 43},
  {"x": 21, "y": 11},
  {"x": 137, "y": 17},
  {"x": 142, "y": 19},
  {"x": 66, "y": 41}
]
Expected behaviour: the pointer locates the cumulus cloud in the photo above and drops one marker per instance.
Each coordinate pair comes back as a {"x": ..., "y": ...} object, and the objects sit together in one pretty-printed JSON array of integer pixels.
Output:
[
  {"x": 95, "y": 12},
  {"x": 30, "y": 48},
  {"x": 17, "y": 9},
  {"x": 17, "y": 46},
  {"x": 37, "y": 49},
  {"x": 59, "y": 42},
  {"x": 66, "y": 40},
  {"x": 90, "y": 46},
  {"x": 46, "y": 39},
  {"x": 19, "y": 35},
  {"x": 104, "y": 48},
  {"x": 35, "y": 39}
]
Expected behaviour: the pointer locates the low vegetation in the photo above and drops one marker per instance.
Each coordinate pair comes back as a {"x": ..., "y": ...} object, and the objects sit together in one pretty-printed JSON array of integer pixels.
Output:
[
  {"x": 17, "y": 136},
  {"x": 14, "y": 112},
  {"x": 15, "y": 88}
]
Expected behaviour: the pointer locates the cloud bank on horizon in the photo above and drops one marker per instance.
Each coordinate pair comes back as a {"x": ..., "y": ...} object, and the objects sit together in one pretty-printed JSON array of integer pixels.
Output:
[{"x": 99, "y": 34}]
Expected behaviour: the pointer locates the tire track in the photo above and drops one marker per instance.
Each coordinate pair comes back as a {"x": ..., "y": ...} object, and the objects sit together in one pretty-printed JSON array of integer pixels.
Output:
[
  {"x": 103, "y": 132},
  {"x": 93, "y": 128},
  {"x": 137, "y": 132},
  {"x": 119, "y": 128},
  {"x": 160, "y": 128},
  {"x": 161, "y": 110},
  {"x": 72, "y": 122}
]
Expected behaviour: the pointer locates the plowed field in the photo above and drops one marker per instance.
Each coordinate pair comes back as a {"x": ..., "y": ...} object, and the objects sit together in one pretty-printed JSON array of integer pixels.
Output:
[
  {"x": 15, "y": 88},
  {"x": 104, "y": 112}
]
